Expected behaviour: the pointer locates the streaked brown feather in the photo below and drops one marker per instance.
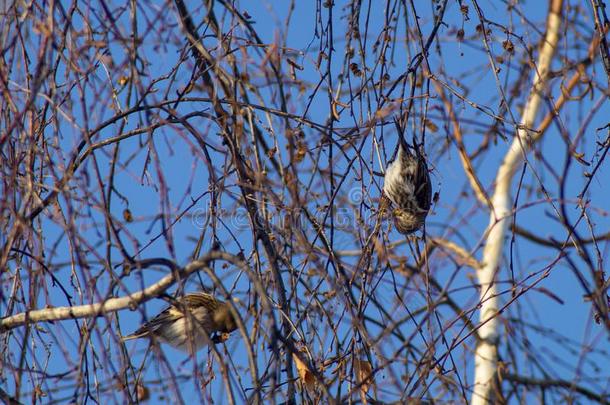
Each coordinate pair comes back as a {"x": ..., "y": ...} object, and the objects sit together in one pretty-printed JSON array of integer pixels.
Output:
[
  {"x": 407, "y": 184},
  {"x": 205, "y": 315}
]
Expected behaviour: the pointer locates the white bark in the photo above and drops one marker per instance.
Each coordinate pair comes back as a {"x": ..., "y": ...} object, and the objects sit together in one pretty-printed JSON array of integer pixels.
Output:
[
  {"x": 486, "y": 354},
  {"x": 115, "y": 304}
]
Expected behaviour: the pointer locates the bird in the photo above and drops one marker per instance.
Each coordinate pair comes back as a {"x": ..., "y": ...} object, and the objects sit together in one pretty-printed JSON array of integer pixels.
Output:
[
  {"x": 407, "y": 185},
  {"x": 189, "y": 322}
]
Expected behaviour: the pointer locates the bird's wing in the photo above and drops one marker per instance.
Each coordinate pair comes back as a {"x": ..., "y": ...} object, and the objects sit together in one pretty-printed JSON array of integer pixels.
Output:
[
  {"x": 202, "y": 318},
  {"x": 198, "y": 304},
  {"x": 423, "y": 194},
  {"x": 198, "y": 300},
  {"x": 168, "y": 315}
]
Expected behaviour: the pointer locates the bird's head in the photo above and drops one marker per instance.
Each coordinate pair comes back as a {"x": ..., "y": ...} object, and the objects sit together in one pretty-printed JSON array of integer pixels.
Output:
[
  {"x": 407, "y": 222},
  {"x": 224, "y": 319}
]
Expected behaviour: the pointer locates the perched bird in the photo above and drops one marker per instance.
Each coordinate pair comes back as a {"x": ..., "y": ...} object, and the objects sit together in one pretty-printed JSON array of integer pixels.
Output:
[
  {"x": 407, "y": 184},
  {"x": 189, "y": 322}
]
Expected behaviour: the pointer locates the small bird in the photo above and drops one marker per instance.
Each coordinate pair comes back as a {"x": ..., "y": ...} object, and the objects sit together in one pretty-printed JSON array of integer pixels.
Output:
[
  {"x": 407, "y": 184},
  {"x": 190, "y": 322}
]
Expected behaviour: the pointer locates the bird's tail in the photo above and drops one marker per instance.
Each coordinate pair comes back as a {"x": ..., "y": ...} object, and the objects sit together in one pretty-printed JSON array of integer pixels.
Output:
[
  {"x": 414, "y": 148},
  {"x": 136, "y": 335}
]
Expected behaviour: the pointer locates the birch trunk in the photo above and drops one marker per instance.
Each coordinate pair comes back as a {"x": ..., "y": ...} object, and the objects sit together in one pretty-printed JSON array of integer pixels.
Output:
[{"x": 486, "y": 354}]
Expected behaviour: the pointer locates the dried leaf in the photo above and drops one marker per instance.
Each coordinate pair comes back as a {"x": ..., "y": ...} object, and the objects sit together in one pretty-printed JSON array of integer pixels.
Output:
[
  {"x": 39, "y": 392},
  {"x": 363, "y": 370},
  {"x": 127, "y": 216},
  {"x": 464, "y": 10},
  {"x": 380, "y": 249},
  {"x": 305, "y": 374},
  {"x": 300, "y": 152},
  {"x": 142, "y": 392},
  {"x": 430, "y": 125},
  {"x": 329, "y": 294},
  {"x": 271, "y": 152},
  {"x": 460, "y": 35},
  {"x": 385, "y": 111}
]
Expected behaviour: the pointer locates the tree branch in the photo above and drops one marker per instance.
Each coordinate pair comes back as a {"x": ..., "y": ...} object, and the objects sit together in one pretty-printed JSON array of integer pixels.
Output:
[{"x": 111, "y": 304}]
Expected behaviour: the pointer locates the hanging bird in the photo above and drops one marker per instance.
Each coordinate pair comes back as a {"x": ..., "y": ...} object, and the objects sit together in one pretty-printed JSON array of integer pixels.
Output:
[
  {"x": 407, "y": 184},
  {"x": 189, "y": 322}
]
